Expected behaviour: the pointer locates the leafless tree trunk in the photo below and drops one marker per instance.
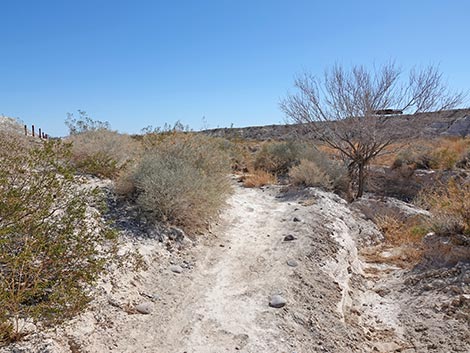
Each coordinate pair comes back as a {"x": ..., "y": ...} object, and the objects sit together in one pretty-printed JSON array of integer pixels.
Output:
[{"x": 349, "y": 109}]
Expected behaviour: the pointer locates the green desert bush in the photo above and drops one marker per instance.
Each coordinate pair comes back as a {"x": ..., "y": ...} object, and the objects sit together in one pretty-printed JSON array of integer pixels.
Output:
[
  {"x": 49, "y": 236},
  {"x": 183, "y": 180}
]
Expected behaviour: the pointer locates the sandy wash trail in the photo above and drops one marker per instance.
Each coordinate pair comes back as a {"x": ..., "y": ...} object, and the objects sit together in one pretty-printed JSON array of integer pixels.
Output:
[{"x": 212, "y": 295}]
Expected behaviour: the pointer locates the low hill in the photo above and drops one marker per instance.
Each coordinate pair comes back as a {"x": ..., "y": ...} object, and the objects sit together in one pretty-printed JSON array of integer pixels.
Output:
[{"x": 444, "y": 123}]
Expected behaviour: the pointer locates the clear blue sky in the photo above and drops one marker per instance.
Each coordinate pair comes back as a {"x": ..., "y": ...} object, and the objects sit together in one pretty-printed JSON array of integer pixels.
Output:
[{"x": 137, "y": 63}]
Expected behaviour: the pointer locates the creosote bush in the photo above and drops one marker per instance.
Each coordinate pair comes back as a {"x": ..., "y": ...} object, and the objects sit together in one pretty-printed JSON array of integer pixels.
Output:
[
  {"x": 48, "y": 236},
  {"x": 182, "y": 179}
]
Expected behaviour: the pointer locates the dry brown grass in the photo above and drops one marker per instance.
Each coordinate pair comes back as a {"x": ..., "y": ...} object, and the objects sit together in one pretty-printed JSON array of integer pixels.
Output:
[
  {"x": 400, "y": 232},
  {"x": 258, "y": 178},
  {"x": 450, "y": 206},
  {"x": 441, "y": 153},
  {"x": 403, "y": 242}
]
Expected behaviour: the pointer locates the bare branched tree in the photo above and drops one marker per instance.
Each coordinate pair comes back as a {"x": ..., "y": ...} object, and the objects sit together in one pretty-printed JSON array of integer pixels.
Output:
[{"x": 349, "y": 109}]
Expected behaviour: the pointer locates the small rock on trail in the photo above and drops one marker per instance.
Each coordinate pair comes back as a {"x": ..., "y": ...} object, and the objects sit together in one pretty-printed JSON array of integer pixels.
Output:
[
  {"x": 277, "y": 301},
  {"x": 144, "y": 308},
  {"x": 176, "y": 269},
  {"x": 292, "y": 263}
]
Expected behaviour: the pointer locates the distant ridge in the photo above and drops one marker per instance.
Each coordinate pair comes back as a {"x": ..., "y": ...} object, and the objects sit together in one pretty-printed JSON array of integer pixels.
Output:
[{"x": 454, "y": 122}]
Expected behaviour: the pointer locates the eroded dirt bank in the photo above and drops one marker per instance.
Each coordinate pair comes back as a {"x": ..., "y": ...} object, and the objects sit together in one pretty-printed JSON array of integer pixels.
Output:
[{"x": 212, "y": 295}]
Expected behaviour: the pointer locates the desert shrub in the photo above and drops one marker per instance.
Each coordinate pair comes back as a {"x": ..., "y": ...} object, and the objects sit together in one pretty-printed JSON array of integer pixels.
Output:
[
  {"x": 97, "y": 150},
  {"x": 450, "y": 206},
  {"x": 308, "y": 173},
  {"x": 418, "y": 157},
  {"x": 316, "y": 168},
  {"x": 183, "y": 180},
  {"x": 48, "y": 236},
  {"x": 103, "y": 152},
  {"x": 84, "y": 123},
  {"x": 278, "y": 157},
  {"x": 335, "y": 169},
  {"x": 464, "y": 161},
  {"x": 258, "y": 178},
  {"x": 444, "y": 158},
  {"x": 240, "y": 154}
]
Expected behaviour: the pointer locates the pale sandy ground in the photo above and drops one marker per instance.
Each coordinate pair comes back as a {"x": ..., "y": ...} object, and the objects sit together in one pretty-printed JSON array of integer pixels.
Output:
[{"x": 219, "y": 302}]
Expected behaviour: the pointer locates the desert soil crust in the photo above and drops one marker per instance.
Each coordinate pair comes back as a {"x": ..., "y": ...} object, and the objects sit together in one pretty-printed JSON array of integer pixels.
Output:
[{"x": 213, "y": 295}]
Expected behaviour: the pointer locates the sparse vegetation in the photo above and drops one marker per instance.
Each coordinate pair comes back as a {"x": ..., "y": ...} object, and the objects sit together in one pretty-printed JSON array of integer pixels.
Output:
[
  {"x": 103, "y": 153},
  {"x": 182, "y": 179},
  {"x": 308, "y": 173},
  {"x": 97, "y": 150},
  {"x": 48, "y": 236},
  {"x": 278, "y": 157},
  {"x": 400, "y": 231},
  {"x": 403, "y": 241},
  {"x": 441, "y": 154},
  {"x": 346, "y": 109},
  {"x": 450, "y": 206},
  {"x": 84, "y": 123},
  {"x": 258, "y": 178}
]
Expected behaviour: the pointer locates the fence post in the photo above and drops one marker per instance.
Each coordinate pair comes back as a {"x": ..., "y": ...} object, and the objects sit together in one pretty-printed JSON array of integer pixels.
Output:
[
  {"x": 32, "y": 129},
  {"x": 40, "y": 134},
  {"x": 25, "y": 130}
]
